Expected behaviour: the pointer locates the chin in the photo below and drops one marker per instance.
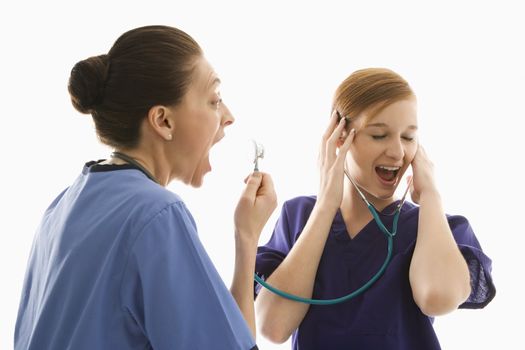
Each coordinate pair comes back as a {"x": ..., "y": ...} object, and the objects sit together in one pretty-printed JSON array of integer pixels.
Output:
[
  {"x": 386, "y": 197},
  {"x": 196, "y": 182},
  {"x": 382, "y": 194}
]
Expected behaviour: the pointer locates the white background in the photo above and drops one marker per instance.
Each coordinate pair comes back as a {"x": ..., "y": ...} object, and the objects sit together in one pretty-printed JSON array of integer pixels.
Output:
[{"x": 280, "y": 63}]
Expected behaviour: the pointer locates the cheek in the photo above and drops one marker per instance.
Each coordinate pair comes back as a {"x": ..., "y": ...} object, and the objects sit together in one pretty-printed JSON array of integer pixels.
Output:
[
  {"x": 356, "y": 160},
  {"x": 411, "y": 153},
  {"x": 207, "y": 127},
  {"x": 364, "y": 151}
]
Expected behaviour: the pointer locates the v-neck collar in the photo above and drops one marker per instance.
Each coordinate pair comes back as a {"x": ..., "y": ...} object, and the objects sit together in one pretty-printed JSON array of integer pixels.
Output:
[{"x": 369, "y": 231}]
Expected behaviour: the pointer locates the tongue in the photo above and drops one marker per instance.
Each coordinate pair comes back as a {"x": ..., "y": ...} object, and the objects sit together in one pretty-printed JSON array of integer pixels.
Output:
[{"x": 386, "y": 175}]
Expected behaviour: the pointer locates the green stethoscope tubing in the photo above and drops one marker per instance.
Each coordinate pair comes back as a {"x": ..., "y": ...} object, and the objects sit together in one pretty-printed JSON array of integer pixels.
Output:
[
  {"x": 390, "y": 239},
  {"x": 390, "y": 245}
]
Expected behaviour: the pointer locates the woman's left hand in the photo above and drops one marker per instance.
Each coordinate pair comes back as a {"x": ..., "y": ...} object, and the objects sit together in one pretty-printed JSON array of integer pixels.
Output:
[{"x": 423, "y": 175}]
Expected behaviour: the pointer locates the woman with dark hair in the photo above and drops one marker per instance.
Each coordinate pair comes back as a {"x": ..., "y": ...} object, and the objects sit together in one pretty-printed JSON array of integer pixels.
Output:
[{"x": 116, "y": 262}]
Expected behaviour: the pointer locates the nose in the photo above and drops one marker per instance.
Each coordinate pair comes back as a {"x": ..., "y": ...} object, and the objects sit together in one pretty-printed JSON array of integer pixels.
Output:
[
  {"x": 395, "y": 149},
  {"x": 227, "y": 116}
]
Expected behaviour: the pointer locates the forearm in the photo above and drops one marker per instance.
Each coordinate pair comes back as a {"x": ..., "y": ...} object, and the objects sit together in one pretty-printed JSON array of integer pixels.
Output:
[
  {"x": 439, "y": 274},
  {"x": 278, "y": 316},
  {"x": 242, "y": 284}
]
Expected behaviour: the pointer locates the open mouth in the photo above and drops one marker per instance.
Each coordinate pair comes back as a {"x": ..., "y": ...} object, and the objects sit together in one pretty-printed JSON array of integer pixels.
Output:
[{"x": 387, "y": 173}]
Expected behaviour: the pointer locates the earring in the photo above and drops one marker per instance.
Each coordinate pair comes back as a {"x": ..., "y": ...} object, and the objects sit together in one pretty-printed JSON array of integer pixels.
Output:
[{"x": 169, "y": 137}]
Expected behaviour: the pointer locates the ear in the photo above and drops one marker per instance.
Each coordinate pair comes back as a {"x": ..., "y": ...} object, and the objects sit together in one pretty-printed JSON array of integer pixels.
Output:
[{"x": 160, "y": 119}]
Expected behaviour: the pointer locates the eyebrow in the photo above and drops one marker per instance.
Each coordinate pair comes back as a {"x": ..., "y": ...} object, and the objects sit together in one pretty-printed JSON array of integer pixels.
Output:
[
  {"x": 214, "y": 82},
  {"x": 383, "y": 125}
]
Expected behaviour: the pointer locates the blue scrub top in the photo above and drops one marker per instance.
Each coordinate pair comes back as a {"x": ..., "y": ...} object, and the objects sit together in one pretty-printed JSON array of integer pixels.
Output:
[
  {"x": 116, "y": 263},
  {"x": 385, "y": 316}
]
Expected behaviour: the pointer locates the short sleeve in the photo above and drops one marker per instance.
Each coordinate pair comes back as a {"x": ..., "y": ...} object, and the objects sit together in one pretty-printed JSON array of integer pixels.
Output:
[
  {"x": 173, "y": 292},
  {"x": 270, "y": 256},
  {"x": 479, "y": 264}
]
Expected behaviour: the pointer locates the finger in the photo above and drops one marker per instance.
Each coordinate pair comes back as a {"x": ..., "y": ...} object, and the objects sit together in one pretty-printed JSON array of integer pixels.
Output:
[
  {"x": 345, "y": 147},
  {"x": 421, "y": 158},
  {"x": 410, "y": 183},
  {"x": 423, "y": 152},
  {"x": 331, "y": 143},
  {"x": 266, "y": 193},
  {"x": 266, "y": 187},
  {"x": 412, "y": 190},
  {"x": 252, "y": 185},
  {"x": 331, "y": 125},
  {"x": 326, "y": 135},
  {"x": 417, "y": 155}
]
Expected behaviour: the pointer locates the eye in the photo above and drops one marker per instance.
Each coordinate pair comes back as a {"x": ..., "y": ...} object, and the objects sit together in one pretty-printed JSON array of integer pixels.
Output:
[
  {"x": 408, "y": 138},
  {"x": 378, "y": 137},
  {"x": 217, "y": 103}
]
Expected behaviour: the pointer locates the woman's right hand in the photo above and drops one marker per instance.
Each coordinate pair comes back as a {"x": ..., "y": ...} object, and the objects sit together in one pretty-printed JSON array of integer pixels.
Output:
[
  {"x": 331, "y": 162},
  {"x": 255, "y": 206},
  {"x": 257, "y": 203}
]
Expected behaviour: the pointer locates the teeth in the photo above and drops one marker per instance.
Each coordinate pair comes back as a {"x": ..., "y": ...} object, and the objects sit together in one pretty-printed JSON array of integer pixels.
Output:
[{"x": 389, "y": 168}]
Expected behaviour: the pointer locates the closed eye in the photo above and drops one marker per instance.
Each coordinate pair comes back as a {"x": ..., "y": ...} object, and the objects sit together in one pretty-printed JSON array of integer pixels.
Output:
[
  {"x": 380, "y": 137},
  {"x": 217, "y": 103}
]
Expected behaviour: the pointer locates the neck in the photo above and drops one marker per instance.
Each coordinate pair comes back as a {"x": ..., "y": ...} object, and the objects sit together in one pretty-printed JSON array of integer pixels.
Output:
[
  {"x": 353, "y": 205},
  {"x": 153, "y": 162}
]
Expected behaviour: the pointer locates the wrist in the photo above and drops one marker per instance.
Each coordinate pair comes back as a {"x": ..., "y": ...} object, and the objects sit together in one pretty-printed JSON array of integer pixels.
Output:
[
  {"x": 430, "y": 195},
  {"x": 323, "y": 207},
  {"x": 246, "y": 240}
]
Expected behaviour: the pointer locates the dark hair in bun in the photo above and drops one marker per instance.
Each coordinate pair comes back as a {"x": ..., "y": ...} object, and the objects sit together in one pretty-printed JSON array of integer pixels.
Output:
[
  {"x": 86, "y": 83},
  {"x": 146, "y": 66}
]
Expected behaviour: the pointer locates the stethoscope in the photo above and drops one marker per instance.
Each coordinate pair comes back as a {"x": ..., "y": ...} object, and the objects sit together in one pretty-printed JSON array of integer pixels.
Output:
[
  {"x": 390, "y": 239},
  {"x": 259, "y": 153}
]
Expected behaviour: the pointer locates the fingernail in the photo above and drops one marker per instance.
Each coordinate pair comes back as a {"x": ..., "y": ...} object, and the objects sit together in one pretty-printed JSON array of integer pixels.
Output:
[{"x": 352, "y": 131}]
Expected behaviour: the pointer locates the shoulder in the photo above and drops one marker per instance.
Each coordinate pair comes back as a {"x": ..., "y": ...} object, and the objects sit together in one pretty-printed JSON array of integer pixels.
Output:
[
  {"x": 411, "y": 211},
  {"x": 462, "y": 230},
  {"x": 163, "y": 207},
  {"x": 153, "y": 194},
  {"x": 56, "y": 200},
  {"x": 169, "y": 233},
  {"x": 127, "y": 183},
  {"x": 139, "y": 191},
  {"x": 135, "y": 198},
  {"x": 457, "y": 220},
  {"x": 300, "y": 204},
  {"x": 459, "y": 224},
  {"x": 294, "y": 215},
  {"x": 171, "y": 223}
]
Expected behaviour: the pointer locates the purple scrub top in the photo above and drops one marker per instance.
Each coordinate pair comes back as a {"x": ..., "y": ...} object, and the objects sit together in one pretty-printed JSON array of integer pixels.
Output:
[{"x": 386, "y": 315}]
